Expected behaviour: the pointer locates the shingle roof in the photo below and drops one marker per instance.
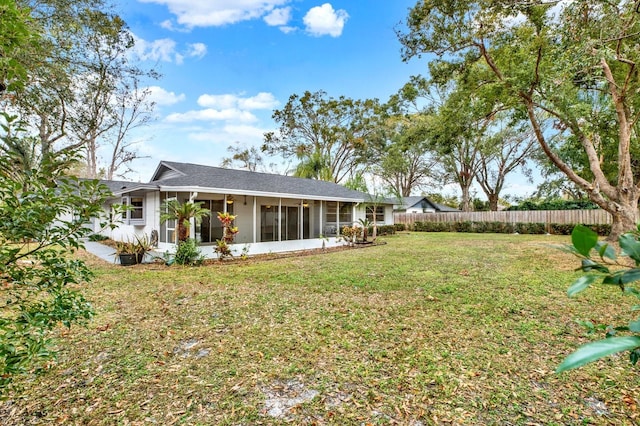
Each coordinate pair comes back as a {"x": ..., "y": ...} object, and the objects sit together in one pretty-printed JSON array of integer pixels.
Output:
[
  {"x": 411, "y": 201},
  {"x": 202, "y": 177}
]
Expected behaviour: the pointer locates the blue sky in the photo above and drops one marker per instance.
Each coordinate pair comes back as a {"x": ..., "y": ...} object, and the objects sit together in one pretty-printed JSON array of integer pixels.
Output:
[{"x": 227, "y": 64}]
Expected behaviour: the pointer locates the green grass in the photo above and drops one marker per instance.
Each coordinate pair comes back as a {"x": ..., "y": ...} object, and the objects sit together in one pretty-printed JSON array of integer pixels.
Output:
[{"x": 427, "y": 329}]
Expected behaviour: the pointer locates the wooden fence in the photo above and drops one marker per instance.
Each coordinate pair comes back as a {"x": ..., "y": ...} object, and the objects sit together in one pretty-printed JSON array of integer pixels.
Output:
[{"x": 586, "y": 217}]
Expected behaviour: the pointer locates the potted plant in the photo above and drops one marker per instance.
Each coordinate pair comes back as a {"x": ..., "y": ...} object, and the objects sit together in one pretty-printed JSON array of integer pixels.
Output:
[
  {"x": 126, "y": 253},
  {"x": 132, "y": 252}
]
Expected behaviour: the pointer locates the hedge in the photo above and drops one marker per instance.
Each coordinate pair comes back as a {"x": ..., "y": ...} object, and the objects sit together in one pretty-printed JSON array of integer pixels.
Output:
[{"x": 505, "y": 228}]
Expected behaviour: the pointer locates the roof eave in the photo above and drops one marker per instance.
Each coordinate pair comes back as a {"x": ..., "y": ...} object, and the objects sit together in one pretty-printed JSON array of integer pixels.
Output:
[{"x": 257, "y": 193}]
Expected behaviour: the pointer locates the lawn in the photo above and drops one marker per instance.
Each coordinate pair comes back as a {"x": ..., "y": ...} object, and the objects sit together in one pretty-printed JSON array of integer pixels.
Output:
[{"x": 426, "y": 329}]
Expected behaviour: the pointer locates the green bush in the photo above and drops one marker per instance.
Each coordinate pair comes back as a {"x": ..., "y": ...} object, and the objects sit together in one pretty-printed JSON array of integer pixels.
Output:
[
  {"x": 465, "y": 226},
  {"x": 555, "y": 205},
  {"x": 188, "y": 253},
  {"x": 383, "y": 230},
  {"x": 505, "y": 228},
  {"x": 399, "y": 227}
]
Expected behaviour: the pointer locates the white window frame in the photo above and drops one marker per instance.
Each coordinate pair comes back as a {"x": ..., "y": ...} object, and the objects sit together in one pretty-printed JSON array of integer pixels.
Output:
[{"x": 126, "y": 201}]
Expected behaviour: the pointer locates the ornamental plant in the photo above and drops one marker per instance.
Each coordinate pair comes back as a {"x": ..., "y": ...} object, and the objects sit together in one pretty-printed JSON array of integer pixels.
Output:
[
  {"x": 601, "y": 263},
  {"x": 228, "y": 235},
  {"x": 350, "y": 234},
  {"x": 182, "y": 213}
]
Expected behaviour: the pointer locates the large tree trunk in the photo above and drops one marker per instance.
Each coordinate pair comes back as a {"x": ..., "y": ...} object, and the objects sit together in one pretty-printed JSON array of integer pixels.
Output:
[
  {"x": 466, "y": 198},
  {"x": 624, "y": 219},
  {"x": 493, "y": 202}
]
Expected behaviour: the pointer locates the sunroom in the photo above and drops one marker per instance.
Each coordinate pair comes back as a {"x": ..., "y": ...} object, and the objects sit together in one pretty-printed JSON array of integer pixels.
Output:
[{"x": 274, "y": 213}]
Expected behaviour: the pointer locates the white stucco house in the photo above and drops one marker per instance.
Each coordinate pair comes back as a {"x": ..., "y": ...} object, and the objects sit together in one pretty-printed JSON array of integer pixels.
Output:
[{"x": 274, "y": 213}]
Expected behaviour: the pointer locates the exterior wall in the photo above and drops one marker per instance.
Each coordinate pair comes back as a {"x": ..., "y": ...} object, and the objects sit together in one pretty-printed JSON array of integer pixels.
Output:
[
  {"x": 247, "y": 210},
  {"x": 388, "y": 215},
  {"x": 125, "y": 232},
  {"x": 275, "y": 247}
]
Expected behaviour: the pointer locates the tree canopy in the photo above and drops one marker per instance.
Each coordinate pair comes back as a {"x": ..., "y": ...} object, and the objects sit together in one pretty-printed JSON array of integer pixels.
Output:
[
  {"x": 326, "y": 135},
  {"x": 570, "y": 64}
]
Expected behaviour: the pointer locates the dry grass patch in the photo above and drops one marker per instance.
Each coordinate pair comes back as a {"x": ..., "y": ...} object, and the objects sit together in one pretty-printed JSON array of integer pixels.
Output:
[{"x": 427, "y": 329}]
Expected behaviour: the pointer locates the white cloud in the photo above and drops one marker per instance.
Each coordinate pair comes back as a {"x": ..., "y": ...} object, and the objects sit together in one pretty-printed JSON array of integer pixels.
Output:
[
  {"x": 158, "y": 50},
  {"x": 210, "y": 114},
  {"x": 278, "y": 17},
  {"x": 205, "y": 13},
  {"x": 324, "y": 20},
  {"x": 164, "y": 98},
  {"x": 286, "y": 29},
  {"x": 165, "y": 50},
  {"x": 226, "y": 135},
  {"x": 262, "y": 100},
  {"x": 245, "y": 133},
  {"x": 197, "y": 50}
]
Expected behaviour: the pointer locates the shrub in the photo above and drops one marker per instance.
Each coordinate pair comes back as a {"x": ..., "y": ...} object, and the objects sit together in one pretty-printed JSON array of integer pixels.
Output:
[
  {"x": 384, "y": 230},
  {"x": 188, "y": 253},
  {"x": 505, "y": 228},
  {"x": 39, "y": 280},
  {"x": 555, "y": 205},
  {"x": 465, "y": 226},
  {"x": 399, "y": 227}
]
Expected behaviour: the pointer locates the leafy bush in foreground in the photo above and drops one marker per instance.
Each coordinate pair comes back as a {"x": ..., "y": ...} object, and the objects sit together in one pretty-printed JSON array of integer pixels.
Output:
[
  {"x": 40, "y": 223},
  {"x": 600, "y": 262}
]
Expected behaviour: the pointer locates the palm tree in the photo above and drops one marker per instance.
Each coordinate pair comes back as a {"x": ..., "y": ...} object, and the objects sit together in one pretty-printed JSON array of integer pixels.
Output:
[{"x": 182, "y": 213}]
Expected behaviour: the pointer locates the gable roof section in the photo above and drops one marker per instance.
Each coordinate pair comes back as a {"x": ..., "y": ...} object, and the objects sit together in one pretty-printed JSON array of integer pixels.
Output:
[
  {"x": 408, "y": 202},
  {"x": 119, "y": 187},
  {"x": 174, "y": 176}
]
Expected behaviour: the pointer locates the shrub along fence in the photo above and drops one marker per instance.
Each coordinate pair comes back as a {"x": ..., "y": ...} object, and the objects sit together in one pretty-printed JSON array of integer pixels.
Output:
[{"x": 523, "y": 222}]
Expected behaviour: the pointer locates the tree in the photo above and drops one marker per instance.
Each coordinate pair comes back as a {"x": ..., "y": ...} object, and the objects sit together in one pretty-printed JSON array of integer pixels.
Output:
[
  {"x": 17, "y": 32},
  {"x": 324, "y": 134},
  {"x": 458, "y": 140},
  {"x": 572, "y": 63},
  {"x": 182, "y": 213},
  {"x": 401, "y": 149},
  {"x": 506, "y": 150},
  {"x": 244, "y": 157},
  {"x": 132, "y": 110},
  {"x": 108, "y": 101},
  {"x": 78, "y": 76}
]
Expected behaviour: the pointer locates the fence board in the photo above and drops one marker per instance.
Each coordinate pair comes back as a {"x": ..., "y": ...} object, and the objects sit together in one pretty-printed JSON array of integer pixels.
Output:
[{"x": 586, "y": 217}]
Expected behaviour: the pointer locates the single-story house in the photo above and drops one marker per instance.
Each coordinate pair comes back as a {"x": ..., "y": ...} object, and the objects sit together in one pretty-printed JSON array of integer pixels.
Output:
[
  {"x": 273, "y": 212},
  {"x": 420, "y": 204}
]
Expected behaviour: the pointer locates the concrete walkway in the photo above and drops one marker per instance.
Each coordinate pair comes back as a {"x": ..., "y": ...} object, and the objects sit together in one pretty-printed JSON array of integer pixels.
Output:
[{"x": 105, "y": 253}]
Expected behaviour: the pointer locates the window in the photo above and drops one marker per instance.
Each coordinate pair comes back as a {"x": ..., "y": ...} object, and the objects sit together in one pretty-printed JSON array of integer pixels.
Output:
[
  {"x": 134, "y": 213},
  {"x": 136, "y": 208},
  {"x": 346, "y": 214},
  {"x": 331, "y": 212},
  {"x": 379, "y": 214}
]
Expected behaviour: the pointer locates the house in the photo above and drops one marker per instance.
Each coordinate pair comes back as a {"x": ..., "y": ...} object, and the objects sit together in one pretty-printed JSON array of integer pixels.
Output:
[
  {"x": 420, "y": 204},
  {"x": 274, "y": 213}
]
